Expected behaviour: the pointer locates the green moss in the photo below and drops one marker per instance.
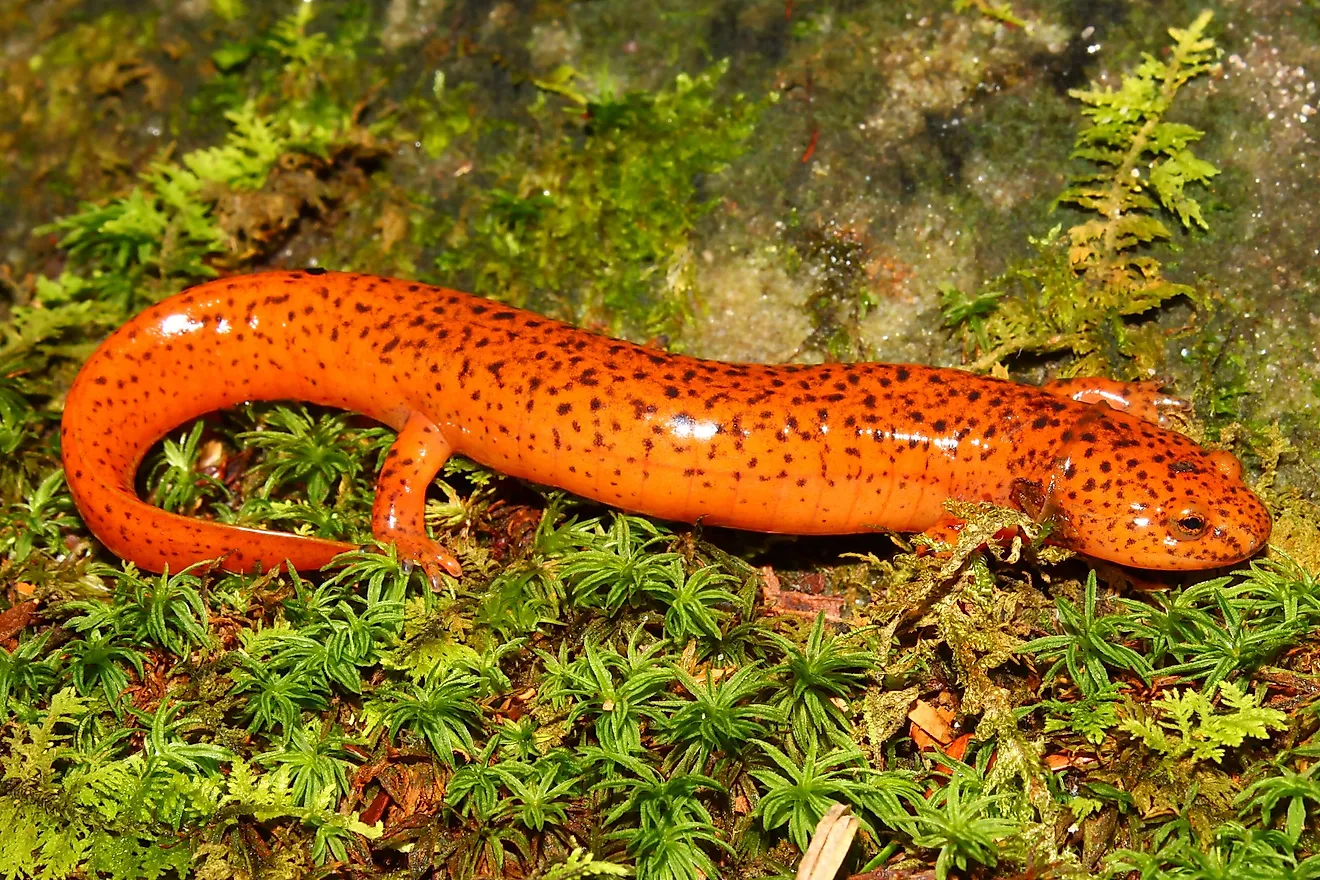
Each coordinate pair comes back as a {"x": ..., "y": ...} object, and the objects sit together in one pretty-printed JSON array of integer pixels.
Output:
[
  {"x": 1002, "y": 12},
  {"x": 835, "y": 261},
  {"x": 67, "y": 91},
  {"x": 167, "y": 231},
  {"x": 593, "y": 215},
  {"x": 1079, "y": 299}
]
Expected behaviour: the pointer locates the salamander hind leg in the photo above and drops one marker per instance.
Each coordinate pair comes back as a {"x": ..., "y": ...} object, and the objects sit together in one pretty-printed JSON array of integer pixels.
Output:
[
  {"x": 1145, "y": 400},
  {"x": 398, "y": 515}
]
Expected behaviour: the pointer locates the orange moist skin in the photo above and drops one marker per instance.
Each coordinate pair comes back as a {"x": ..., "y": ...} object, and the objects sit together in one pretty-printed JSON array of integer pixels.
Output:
[{"x": 832, "y": 449}]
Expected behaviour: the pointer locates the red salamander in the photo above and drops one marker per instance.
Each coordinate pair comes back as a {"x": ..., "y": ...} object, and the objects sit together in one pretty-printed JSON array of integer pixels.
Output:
[{"x": 830, "y": 449}]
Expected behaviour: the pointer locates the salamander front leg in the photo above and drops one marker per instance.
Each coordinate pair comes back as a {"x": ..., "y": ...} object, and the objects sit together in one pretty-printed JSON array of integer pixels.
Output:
[
  {"x": 945, "y": 531},
  {"x": 1145, "y": 400},
  {"x": 399, "y": 513}
]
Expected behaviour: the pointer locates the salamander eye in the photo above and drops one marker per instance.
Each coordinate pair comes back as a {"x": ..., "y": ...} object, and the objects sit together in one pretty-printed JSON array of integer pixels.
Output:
[{"x": 1188, "y": 524}]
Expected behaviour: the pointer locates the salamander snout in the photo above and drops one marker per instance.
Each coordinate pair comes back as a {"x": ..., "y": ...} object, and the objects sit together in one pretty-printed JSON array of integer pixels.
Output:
[
  {"x": 1207, "y": 535},
  {"x": 1166, "y": 504}
]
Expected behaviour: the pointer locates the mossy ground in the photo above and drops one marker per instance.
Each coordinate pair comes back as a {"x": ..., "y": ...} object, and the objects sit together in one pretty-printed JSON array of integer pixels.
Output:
[{"x": 757, "y": 180}]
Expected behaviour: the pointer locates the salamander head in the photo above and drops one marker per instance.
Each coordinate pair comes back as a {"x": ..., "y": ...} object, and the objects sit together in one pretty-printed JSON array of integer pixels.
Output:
[{"x": 1128, "y": 492}]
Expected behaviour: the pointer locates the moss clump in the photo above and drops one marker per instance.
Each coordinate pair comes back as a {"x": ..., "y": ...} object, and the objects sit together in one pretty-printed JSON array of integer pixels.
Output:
[
  {"x": 1075, "y": 295},
  {"x": 63, "y": 102},
  {"x": 602, "y": 214},
  {"x": 835, "y": 260}
]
